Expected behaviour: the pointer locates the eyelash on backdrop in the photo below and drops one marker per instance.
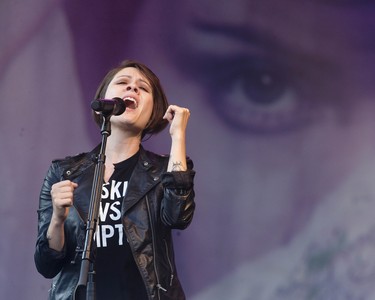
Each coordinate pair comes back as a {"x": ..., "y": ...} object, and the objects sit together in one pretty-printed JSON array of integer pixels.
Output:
[{"x": 262, "y": 97}]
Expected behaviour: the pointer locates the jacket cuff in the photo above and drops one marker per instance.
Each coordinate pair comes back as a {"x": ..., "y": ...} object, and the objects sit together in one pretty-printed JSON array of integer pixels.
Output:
[
  {"x": 52, "y": 253},
  {"x": 178, "y": 180}
]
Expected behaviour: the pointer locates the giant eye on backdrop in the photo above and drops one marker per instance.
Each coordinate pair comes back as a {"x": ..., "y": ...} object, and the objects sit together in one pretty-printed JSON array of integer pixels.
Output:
[{"x": 259, "y": 97}]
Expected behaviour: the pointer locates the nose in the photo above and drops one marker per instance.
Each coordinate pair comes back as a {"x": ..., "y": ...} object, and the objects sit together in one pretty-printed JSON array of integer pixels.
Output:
[{"x": 132, "y": 87}]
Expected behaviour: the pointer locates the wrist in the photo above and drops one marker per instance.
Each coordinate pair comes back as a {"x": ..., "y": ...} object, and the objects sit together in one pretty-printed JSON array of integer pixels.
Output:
[
  {"x": 57, "y": 221},
  {"x": 178, "y": 136},
  {"x": 55, "y": 234}
]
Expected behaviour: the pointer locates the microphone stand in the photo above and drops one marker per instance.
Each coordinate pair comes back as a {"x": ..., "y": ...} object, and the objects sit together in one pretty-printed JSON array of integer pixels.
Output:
[{"x": 86, "y": 282}]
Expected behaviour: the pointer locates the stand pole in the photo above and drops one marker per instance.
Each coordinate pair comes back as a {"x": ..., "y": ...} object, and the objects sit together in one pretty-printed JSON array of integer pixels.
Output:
[{"x": 85, "y": 288}]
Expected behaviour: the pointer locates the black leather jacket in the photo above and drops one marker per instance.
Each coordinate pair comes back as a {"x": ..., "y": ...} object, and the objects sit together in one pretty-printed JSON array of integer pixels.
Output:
[{"x": 156, "y": 202}]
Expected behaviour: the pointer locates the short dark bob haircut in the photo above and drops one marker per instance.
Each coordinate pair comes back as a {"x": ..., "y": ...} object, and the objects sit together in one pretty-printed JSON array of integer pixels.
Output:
[{"x": 156, "y": 123}]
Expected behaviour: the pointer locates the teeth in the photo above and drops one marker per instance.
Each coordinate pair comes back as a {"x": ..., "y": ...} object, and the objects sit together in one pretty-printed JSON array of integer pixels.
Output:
[{"x": 132, "y": 100}]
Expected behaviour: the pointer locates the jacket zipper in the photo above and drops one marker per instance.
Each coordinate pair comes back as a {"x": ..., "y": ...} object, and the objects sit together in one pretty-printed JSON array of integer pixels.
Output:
[
  {"x": 169, "y": 262},
  {"x": 158, "y": 285},
  {"x": 134, "y": 256}
]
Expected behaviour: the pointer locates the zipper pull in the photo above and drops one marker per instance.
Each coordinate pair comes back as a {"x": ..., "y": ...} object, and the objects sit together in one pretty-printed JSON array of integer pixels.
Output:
[
  {"x": 160, "y": 287},
  {"x": 170, "y": 282}
]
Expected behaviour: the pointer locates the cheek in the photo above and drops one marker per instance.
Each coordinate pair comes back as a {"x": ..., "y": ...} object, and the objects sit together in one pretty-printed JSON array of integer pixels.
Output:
[
  {"x": 148, "y": 108},
  {"x": 109, "y": 94},
  {"x": 113, "y": 91}
]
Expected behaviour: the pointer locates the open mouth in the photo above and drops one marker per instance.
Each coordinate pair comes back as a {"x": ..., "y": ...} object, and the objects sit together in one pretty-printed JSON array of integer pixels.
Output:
[{"x": 130, "y": 102}]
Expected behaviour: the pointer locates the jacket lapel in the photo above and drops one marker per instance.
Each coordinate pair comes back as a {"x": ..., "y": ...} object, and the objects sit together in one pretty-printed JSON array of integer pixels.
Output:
[{"x": 146, "y": 175}]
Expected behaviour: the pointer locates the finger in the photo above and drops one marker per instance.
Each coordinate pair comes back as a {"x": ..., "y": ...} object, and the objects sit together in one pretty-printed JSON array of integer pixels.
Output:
[
  {"x": 62, "y": 196},
  {"x": 64, "y": 185},
  {"x": 62, "y": 193},
  {"x": 169, "y": 114},
  {"x": 187, "y": 112}
]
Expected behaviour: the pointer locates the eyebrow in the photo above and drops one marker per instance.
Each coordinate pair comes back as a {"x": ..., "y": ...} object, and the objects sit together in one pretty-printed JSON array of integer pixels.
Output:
[
  {"x": 347, "y": 2},
  {"x": 260, "y": 40},
  {"x": 263, "y": 39},
  {"x": 246, "y": 35}
]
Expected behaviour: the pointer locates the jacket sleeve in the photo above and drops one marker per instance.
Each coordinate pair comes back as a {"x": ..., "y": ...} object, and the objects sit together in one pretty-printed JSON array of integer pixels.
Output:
[
  {"x": 177, "y": 207},
  {"x": 48, "y": 261}
]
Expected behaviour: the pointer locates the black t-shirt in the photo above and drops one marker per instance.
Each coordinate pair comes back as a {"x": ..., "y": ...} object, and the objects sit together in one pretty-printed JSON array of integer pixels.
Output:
[{"x": 117, "y": 275}]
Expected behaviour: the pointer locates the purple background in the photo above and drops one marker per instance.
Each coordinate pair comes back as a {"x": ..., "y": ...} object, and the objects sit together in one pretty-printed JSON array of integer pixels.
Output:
[{"x": 282, "y": 133}]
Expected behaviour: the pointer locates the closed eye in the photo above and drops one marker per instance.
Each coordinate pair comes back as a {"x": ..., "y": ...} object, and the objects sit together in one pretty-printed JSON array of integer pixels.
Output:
[{"x": 146, "y": 89}]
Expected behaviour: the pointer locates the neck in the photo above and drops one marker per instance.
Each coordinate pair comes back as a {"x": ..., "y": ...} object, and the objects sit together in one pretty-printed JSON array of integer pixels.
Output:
[{"x": 120, "y": 148}]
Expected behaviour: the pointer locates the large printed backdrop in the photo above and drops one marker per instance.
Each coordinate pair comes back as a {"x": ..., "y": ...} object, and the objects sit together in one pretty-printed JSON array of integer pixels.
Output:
[{"x": 282, "y": 133}]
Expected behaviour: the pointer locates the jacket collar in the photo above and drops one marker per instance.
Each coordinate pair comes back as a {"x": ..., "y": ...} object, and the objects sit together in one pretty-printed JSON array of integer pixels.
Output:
[{"x": 146, "y": 175}]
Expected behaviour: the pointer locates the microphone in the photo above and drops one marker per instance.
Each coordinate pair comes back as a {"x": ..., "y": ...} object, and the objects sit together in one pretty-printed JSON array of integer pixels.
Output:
[{"x": 107, "y": 107}]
